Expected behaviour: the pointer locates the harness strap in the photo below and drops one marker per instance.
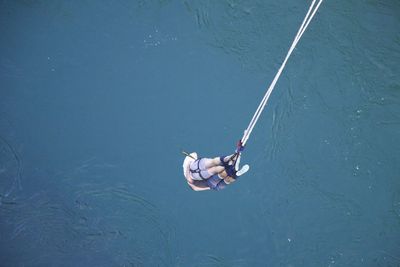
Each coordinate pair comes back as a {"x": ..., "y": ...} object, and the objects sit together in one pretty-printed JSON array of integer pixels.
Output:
[
  {"x": 230, "y": 169},
  {"x": 198, "y": 171}
]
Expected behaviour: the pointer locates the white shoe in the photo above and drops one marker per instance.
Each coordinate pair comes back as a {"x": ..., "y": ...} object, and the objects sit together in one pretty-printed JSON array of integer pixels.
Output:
[{"x": 243, "y": 170}]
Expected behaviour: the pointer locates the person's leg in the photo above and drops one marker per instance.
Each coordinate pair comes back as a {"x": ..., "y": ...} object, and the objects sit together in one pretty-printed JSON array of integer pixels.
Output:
[
  {"x": 207, "y": 163},
  {"x": 200, "y": 171},
  {"x": 223, "y": 174},
  {"x": 204, "y": 168},
  {"x": 211, "y": 171},
  {"x": 215, "y": 169}
]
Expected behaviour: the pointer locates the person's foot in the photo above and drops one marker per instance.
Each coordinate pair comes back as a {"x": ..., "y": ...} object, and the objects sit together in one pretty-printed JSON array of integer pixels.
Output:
[{"x": 243, "y": 170}]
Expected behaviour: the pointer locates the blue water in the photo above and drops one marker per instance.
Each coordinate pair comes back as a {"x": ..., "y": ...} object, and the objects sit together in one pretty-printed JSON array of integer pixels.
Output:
[{"x": 97, "y": 100}]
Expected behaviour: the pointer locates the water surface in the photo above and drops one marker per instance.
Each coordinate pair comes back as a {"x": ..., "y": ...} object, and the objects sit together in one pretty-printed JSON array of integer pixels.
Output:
[{"x": 97, "y": 100}]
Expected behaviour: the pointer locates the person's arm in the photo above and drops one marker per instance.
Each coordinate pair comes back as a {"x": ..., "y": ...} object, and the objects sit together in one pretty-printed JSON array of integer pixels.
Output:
[
  {"x": 199, "y": 186},
  {"x": 229, "y": 180}
]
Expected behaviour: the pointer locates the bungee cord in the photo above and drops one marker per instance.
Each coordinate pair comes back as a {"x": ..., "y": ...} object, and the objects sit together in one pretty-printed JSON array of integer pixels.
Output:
[{"x": 309, "y": 16}]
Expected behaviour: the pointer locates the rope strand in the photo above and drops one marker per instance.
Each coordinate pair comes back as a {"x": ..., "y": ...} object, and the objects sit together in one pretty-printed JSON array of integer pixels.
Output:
[{"x": 309, "y": 16}]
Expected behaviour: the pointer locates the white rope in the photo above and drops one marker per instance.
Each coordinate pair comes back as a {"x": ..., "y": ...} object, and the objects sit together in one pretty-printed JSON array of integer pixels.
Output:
[{"x": 310, "y": 14}]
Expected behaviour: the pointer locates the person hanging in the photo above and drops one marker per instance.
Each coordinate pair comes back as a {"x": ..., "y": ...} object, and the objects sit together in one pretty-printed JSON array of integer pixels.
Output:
[{"x": 212, "y": 173}]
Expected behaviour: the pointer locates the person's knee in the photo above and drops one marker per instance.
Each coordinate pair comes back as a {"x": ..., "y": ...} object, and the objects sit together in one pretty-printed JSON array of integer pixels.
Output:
[
  {"x": 216, "y": 161},
  {"x": 216, "y": 169}
]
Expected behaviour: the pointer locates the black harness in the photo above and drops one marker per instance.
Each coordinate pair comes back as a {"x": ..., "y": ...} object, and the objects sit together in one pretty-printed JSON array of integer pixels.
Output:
[{"x": 198, "y": 171}]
